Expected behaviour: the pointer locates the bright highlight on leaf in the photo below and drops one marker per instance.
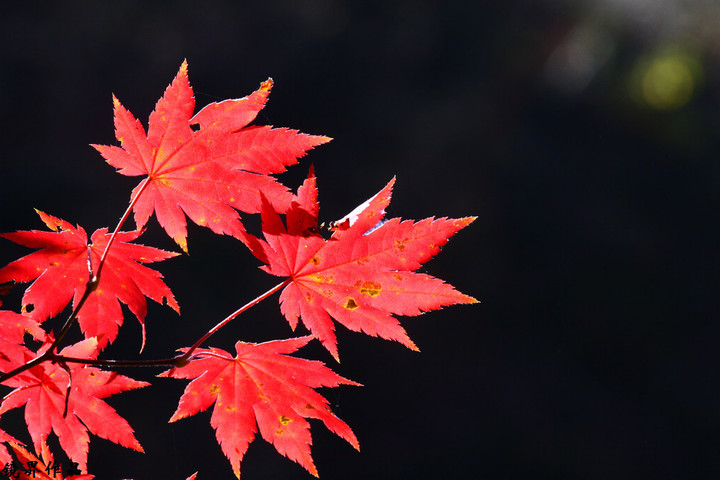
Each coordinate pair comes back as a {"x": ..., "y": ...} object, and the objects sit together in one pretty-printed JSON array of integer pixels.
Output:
[
  {"x": 206, "y": 173},
  {"x": 262, "y": 387},
  {"x": 361, "y": 276}
]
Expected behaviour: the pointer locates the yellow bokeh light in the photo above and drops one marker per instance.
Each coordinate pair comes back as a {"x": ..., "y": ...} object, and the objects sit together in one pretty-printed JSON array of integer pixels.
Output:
[{"x": 668, "y": 80}]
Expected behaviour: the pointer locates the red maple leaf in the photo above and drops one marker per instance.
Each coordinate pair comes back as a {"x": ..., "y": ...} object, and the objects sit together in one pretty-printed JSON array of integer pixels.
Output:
[
  {"x": 209, "y": 172},
  {"x": 42, "y": 390},
  {"x": 361, "y": 276},
  {"x": 261, "y": 388},
  {"x": 60, "y": 271}
]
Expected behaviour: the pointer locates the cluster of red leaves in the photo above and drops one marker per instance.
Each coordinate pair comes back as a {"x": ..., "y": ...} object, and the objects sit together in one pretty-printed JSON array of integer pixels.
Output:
[{"x": 209, "y": 167}]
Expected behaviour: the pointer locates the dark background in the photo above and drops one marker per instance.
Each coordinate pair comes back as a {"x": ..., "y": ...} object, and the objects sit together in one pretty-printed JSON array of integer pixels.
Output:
[{"x": 582, "y": 134}]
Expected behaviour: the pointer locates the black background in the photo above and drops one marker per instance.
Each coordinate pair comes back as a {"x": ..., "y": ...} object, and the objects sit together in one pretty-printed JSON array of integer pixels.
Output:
[{"x": 595, "y": 256}]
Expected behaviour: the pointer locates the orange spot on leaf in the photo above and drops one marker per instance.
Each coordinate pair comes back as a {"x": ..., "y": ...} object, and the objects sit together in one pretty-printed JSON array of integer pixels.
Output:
[
  {"x": 369, "y": 288},
  {"x": 321, "y": 278},
  {"x": 400, "y": 244},
  {"x": 351, "y": 304}
]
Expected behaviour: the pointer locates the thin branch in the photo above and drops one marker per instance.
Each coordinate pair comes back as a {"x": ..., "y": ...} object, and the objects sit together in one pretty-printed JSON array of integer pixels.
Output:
[
  {"x": 170, "y": 362},
  {"x": 237, "y": 312},
  {"x": 177, "y": 361},
  {"x": 35, "y": 361},
  {"x": 125, "y": 216},
  {"x": 89, "y": 288}
]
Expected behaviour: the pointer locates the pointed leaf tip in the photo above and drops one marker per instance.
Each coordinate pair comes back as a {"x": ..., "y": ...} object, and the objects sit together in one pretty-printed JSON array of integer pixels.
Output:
[
  {"x": 267, "y": 84},
  {"x": 53, "y": 223},
  {"x": 465, "y": 221},
  {"x": 182, "y": 243}
]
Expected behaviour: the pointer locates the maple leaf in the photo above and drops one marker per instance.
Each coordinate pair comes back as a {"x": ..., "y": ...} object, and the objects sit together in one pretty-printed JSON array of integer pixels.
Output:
[
  {"x": 205, "y": 173},
  {"x": 60, "y": 273},
  {"x": 42, "y": 390},
  {"x": 261, "y": 388},
  {"x": 361, "y": 276}
]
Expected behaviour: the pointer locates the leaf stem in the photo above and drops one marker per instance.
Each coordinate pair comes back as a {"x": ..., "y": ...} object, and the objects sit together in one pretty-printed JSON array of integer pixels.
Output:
[
  {"x": 89, "y": 288},
  {"x": 125, "y": 216},
  {"x": 237, "y": 312},
  {"x": 171, "y": 362}
]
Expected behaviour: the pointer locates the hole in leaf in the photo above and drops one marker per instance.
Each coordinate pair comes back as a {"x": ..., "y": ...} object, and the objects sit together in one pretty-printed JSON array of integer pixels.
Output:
[{"x": 28, "y": 308}]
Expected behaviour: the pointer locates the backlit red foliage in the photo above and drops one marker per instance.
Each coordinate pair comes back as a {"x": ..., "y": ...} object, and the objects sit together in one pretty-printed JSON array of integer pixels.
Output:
[{"x": 210, "y": 167}]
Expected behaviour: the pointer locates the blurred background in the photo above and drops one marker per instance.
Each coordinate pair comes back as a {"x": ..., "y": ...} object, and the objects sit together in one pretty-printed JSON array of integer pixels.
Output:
[{"x": 584, "y": 136}]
